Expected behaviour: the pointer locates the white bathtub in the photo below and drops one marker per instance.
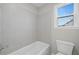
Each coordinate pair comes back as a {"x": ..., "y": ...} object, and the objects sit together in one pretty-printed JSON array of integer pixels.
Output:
[{"x": 36, "y": 48}]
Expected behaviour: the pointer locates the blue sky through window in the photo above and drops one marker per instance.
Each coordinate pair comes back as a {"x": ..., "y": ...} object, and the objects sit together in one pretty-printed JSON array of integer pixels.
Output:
[
  {"x": 63, "y": 21},
  {"x": 65, "y": 11}
]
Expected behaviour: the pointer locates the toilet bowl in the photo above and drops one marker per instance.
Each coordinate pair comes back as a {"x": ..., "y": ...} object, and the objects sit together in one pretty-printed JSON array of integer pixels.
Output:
[{"x": 64, "y": 47}]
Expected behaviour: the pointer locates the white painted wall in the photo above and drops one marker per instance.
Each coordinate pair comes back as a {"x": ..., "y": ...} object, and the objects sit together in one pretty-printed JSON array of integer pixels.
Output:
[
  {"x": 0, "y": 27},
  {"x": 19, "y": 26},
  {"x": 49, "y": 34},
  {"x": 44, "y": 24}
]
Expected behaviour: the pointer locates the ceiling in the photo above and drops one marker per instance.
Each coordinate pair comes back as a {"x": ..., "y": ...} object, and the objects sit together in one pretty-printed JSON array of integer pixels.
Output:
[{"x": 38, "y": 4}]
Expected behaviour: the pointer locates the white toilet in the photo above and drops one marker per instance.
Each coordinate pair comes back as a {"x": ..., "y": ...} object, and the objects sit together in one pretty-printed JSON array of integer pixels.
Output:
[{"x": 64, "y": 47}]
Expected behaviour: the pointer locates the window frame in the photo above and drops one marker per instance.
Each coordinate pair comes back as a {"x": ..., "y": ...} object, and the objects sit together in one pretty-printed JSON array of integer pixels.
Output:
[
  {"x": 54, "y": 16},
  {"x": 61, "y": 17}
]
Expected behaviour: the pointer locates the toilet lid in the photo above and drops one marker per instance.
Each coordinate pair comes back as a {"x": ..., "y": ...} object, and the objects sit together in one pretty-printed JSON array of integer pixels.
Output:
[{"x": 59, "y": 53}]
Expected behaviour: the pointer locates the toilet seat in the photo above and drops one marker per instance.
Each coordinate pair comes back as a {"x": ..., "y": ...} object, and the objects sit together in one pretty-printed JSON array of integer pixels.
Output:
[{"x": 64, "y": 47}]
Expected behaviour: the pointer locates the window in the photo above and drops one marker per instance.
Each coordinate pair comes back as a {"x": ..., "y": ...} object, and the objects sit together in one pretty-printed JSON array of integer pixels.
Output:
[{"x": 65, "y": 15}]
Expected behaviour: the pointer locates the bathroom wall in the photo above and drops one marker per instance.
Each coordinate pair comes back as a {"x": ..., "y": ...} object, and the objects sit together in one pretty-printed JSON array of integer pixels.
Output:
[
  {"x": 0, "y": 27},
  {"x": 49, "y": 34},
  {"x": 19, "y": 26},
  {"x": 44, "y": 24}
]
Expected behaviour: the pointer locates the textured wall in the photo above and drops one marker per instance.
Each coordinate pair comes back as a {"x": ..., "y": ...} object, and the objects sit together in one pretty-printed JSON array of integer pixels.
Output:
[{"x": 19, "y": 26}]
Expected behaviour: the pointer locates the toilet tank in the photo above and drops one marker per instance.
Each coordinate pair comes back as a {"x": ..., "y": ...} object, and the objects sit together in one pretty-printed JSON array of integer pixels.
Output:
[{"x": 64, "y": 47}]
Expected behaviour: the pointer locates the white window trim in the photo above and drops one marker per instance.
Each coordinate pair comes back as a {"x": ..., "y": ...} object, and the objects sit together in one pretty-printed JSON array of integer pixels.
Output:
[{"x": 75, "y": 13}]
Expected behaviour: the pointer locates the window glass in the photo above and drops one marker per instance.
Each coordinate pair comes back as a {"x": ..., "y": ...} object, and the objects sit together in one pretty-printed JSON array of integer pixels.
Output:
[{"x": 65, "y": 15}]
